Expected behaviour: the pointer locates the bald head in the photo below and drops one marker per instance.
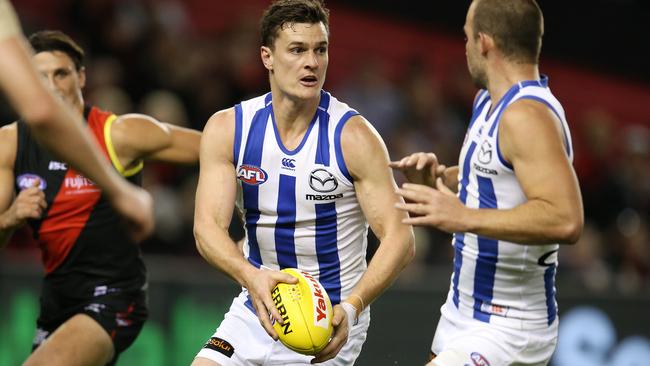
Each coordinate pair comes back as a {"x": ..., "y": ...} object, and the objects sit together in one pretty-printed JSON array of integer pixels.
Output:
[{"x": 516, "y": 26}]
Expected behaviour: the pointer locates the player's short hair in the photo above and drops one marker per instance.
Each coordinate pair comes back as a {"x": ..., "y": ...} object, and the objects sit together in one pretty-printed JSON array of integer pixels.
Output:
[
  {"x": 54, "y": 40},
  {"x": 517, "y": 27},
  {"x": 283, "y": 13}
]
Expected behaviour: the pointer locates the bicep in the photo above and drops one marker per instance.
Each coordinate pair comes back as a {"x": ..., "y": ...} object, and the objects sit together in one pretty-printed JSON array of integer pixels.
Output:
[
  {"x": 373, "y": 179},
  {"x": 7, "y": 158},
  {"x": 182, "y": 148},
  {"x": 217, "y": 187},
  {"x": 541, "y": 163}
]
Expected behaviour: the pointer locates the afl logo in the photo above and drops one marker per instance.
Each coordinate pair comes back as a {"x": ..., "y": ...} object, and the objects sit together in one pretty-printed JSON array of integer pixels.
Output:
[
  {"x": 479, "y": 360},
  {"x": 320, "y": 180},
  {"x": 25, "y": 181},
  {"x": 252, "y": 175}
]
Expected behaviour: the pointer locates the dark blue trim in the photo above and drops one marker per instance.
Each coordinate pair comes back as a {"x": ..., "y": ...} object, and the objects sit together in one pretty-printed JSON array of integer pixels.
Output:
[
  {"x": 327, "y": 250},
  {"x": 488, "y": 255},
  {"x": 304, "y": 138},
  {"x": 503, "y": 160},
  {"x": 285, "y": 225},
  {"x": 549, "y": 286},
  {"x": 253, "y": 156},
  {"x": 504, "y": 101},
  {"x": 238, "y": 131},
  {"x": 479, "y": 98},
  {"x": 459, "y": 238},
  {"x": 249, "y": 304},
  {"x": 323, "y": 149},
  {"x": 337, "y": 143}
]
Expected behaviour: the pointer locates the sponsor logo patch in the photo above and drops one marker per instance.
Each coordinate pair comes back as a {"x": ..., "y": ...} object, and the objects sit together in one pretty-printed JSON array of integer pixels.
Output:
[
  {"x": 479, "y": 360},
  {"x": 485, "y": 153},
  {"x": 220, "y": 345},
  {"x": 25, "y": 181},
  {"x": 57, "y": 165},
  {"x": 320, "y": 180},
  {"x": 289, "y": 164},
  {"x": 251, "y": 175}
]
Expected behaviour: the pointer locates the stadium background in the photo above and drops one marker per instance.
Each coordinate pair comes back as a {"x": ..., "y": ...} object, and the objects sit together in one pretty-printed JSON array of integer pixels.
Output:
[{"x": 402, "y": 65}]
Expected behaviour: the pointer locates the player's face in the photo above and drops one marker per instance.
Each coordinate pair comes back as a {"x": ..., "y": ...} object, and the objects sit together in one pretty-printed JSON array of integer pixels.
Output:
[
  {"x": 60, "y": 74},
  {"x": 472, "y": 52},
  {"x": 298, "y": 61}
]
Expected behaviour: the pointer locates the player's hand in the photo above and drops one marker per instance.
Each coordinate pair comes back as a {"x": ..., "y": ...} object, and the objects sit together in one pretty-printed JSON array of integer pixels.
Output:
[
  {"x": 339, "y": 336},
  {"x": 419, "y": 168},
  {"x": 29, "y": 204},
  {"x": 259, "y": 285},
  {"x": 136, "y": 206},
  {"x": 437, "y": 207}
]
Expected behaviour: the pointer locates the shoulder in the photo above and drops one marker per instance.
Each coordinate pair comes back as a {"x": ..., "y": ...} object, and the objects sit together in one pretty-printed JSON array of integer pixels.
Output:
[
  {"x": 221, "y": 122},
  {"x": 134, "y": 122},
  {"x": 362, "y": 146},
  {"x": 526, "y": 115},
  {"x": 218, "y": 135}
]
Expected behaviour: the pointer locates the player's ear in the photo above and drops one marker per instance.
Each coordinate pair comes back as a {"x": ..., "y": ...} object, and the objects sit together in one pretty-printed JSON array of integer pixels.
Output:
[
  {"x": 267, "y": 57},
  {"x": 82, "y": 77},
  {"x": 485, "y": 43}
]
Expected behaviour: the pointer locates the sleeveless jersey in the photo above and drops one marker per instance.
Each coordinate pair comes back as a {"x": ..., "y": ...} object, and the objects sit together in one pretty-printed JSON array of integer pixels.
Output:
[
  {"x": 82, "y": 238},
  {"x": 496, "y": 281},
  {"x": 300, "y": 205}
]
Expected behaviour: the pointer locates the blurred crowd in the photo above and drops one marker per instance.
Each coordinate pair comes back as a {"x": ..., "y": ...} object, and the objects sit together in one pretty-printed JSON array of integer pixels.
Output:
[{"x": 146, "y": 56}]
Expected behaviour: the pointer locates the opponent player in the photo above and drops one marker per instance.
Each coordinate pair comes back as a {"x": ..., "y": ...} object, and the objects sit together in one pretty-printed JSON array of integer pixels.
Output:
[
  {"x": 93, "y": 295},
  {"x": 311, "y": 172},
  {"x": 518, "y": 198},
  {"x": 59, "y": 130}
]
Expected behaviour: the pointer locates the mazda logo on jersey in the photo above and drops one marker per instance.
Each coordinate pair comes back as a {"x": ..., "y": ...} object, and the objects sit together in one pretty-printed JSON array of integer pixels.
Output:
[
  {"x": 485, "y": 152},
  {"x": 25, "y": 181},
  {"x": 252, "y": 175},
  {"x": 320, "y": 180}
]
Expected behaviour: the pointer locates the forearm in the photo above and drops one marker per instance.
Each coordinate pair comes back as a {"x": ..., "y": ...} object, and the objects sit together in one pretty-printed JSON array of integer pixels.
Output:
[
  {"x": 7, "y": 228},
  {"x": 533, "y": 223},
  {"x": 217, "y": 248},
  {"x": 393, "y": 254}
]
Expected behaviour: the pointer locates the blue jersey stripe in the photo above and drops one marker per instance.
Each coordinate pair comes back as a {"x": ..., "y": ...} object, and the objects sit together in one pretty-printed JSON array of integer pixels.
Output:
[
  {"x": 504, "y": 101},
  {"x": 285, "y": 226},
  {"x": 238, "y": 130},
  {"x": 549, "y": 286},
  {"x": 253, "y": 156},
  {"x": 459, "y": 238},
  {"x": 337, "y": 143},
  {"x": 488, "y": 253},
  {"x": 323, "y": 149},
  {"x": 327, "y": 250}
]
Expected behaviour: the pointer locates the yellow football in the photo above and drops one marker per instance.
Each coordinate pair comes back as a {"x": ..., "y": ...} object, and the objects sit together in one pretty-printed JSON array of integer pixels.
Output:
[{"x": 306, "y": 310}]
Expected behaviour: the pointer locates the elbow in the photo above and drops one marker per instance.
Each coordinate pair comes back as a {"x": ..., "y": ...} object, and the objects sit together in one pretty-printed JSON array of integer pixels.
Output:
[
  {"x": 570, "y": 231},
  {"x": 197, "y": 240},
  {"x": 410, "y": 249}
]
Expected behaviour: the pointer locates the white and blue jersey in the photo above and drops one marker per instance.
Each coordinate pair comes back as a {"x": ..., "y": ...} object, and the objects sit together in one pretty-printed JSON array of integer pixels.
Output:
[
  {"x": 300, "y": 207},
  {"x": 496, "y": 281}
]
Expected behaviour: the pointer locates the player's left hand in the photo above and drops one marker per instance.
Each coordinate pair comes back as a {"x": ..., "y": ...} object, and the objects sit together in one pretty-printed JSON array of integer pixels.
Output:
[
  {"x": 438, "y": 207},
  {"x": 339, "y": 336}
]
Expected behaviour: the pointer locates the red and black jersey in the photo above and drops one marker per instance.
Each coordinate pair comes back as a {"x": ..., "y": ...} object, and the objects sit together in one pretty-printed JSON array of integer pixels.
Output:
[{"x": 83, "y": 241}]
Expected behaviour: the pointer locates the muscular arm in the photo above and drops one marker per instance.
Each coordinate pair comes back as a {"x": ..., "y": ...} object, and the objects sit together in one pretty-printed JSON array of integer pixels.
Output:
[
  {"x": 531, "y": 139},
  {"x": 138, "y": 136},
  {"x": 215, "y": 199},
  {"x": 553, "y": 212},
  {"x": 375, "y": 188}
]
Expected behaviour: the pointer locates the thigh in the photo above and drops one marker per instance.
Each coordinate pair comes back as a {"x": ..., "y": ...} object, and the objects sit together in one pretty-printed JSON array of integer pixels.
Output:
[
  {"x": 78, "y": 341},
  {"x": 240, "y": 340}
]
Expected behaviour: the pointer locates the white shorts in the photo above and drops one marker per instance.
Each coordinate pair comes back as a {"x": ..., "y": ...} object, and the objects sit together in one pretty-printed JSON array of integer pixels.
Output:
[
  {"x": 241, "y": 340},
  {"x": 479, "y": 343}
]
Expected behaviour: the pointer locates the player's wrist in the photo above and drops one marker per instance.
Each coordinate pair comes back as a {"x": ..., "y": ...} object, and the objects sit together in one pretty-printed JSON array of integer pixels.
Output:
[{"x": 351, "y": 314}]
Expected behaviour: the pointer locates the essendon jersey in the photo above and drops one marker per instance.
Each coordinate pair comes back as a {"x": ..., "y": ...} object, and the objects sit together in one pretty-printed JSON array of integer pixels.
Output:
[{"x": 80, "y": 234}]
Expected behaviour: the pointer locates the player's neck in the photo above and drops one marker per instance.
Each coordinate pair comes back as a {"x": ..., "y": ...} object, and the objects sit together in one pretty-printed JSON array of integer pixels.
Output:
[
  {"x": 506, "y": 74},
  {"x": 292, "y": 117}
]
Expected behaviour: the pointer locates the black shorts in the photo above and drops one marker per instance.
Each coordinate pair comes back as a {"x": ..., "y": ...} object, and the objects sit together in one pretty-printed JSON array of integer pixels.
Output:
[{"x": 121, "y": 313}]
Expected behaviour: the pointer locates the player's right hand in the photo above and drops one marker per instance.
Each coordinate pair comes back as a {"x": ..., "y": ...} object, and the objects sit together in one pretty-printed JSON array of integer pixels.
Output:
[
  {"x": 260, "y": 283},
  {"x": 29, "y": 204},
  {"x": 136, "y": 206},
  {"x": 420, "y": 168}
]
